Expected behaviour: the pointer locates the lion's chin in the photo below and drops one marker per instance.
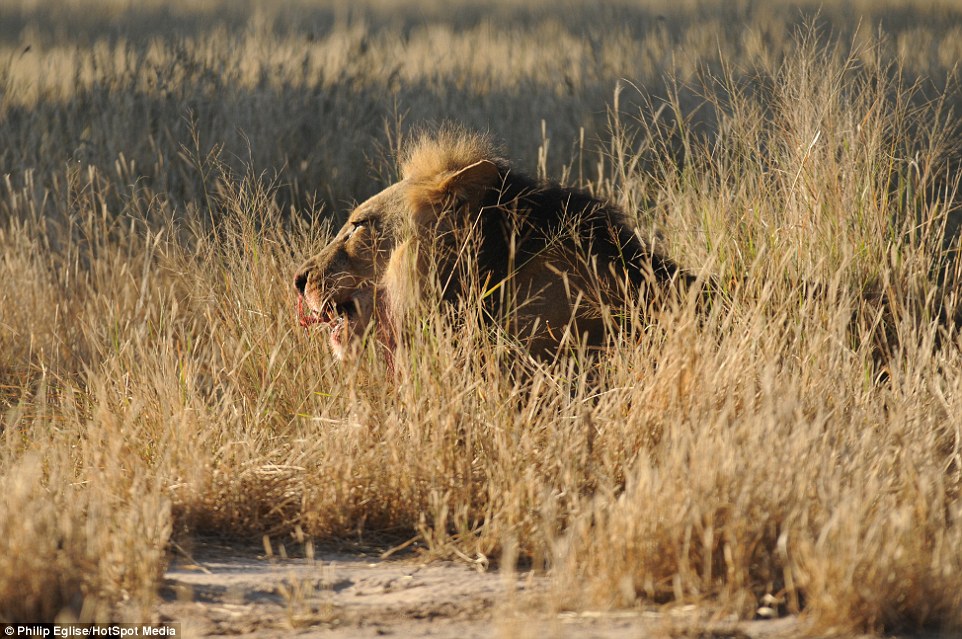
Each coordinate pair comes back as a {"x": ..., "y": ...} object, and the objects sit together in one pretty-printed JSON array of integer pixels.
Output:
[{"x": 341, "y": 336}]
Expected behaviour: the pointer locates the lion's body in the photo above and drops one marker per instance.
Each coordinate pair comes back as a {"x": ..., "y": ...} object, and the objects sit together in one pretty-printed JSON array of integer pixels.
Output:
[{"x": 548, "y": 264}]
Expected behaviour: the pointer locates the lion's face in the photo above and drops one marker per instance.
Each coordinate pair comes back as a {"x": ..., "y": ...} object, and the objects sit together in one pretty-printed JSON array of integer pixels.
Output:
[
  {"x": 339, "y": 288},
  {"x": 336, "y": 287}
]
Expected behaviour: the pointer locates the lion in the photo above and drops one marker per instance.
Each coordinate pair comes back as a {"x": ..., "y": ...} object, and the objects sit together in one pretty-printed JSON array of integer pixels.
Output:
[{"x": 553, "y": 266}]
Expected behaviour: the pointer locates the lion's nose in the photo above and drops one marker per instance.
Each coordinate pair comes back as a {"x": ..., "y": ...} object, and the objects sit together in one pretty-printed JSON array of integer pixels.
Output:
[{"x": 300, "y": 281}]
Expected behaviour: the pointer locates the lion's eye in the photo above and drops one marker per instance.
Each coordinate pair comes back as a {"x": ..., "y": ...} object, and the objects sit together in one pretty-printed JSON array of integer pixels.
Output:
[
  {"x": 366, "y": 223},
  {"x": 356, "y": 226}
]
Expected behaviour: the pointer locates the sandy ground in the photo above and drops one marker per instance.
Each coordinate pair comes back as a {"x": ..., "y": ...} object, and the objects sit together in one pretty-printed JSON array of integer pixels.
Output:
[{"x": 215, "y": 590}]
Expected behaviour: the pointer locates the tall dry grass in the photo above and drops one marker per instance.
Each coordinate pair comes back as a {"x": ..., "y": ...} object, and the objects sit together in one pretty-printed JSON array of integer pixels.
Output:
[{"x": 166, "y": 167}]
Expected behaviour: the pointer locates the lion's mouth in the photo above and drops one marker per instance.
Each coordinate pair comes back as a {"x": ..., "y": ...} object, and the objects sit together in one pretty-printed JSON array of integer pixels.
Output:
[{"x": 331, "y": 312}]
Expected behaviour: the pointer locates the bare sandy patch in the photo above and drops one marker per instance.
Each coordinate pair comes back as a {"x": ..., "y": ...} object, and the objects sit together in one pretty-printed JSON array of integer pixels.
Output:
[{"x": 239, "y": 591}]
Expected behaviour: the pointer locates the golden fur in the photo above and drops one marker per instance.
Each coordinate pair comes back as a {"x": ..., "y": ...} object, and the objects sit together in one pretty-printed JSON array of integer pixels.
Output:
[{"x": 432, "y": 156}]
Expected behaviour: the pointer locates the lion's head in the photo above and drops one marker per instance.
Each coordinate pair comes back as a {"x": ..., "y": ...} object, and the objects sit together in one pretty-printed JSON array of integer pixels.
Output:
[{"x": 338, "y": 287}]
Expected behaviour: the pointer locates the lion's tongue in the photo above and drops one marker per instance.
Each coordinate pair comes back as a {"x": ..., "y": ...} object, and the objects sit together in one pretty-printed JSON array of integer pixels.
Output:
[{"x": 305, "y": 319}]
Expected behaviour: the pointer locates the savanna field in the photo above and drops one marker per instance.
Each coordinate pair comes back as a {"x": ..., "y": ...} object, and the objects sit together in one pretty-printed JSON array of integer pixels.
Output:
[{"x": 796, "y": 447}]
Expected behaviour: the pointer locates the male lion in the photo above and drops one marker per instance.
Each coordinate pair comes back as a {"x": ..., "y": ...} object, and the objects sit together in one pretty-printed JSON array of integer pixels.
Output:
[{"x": 551, "y": 265}]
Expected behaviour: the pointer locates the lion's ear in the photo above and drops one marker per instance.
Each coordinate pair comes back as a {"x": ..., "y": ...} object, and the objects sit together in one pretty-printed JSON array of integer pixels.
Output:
[{"x": 471, "y": 181}]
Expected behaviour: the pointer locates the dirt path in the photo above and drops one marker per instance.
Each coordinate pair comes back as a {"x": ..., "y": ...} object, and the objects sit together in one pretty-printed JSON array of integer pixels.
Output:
[{"x": 240, "y": 592}]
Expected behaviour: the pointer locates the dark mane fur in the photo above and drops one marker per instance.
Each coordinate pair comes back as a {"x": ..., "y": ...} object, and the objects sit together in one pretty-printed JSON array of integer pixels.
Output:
[{"x": 533, "y": 215}]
